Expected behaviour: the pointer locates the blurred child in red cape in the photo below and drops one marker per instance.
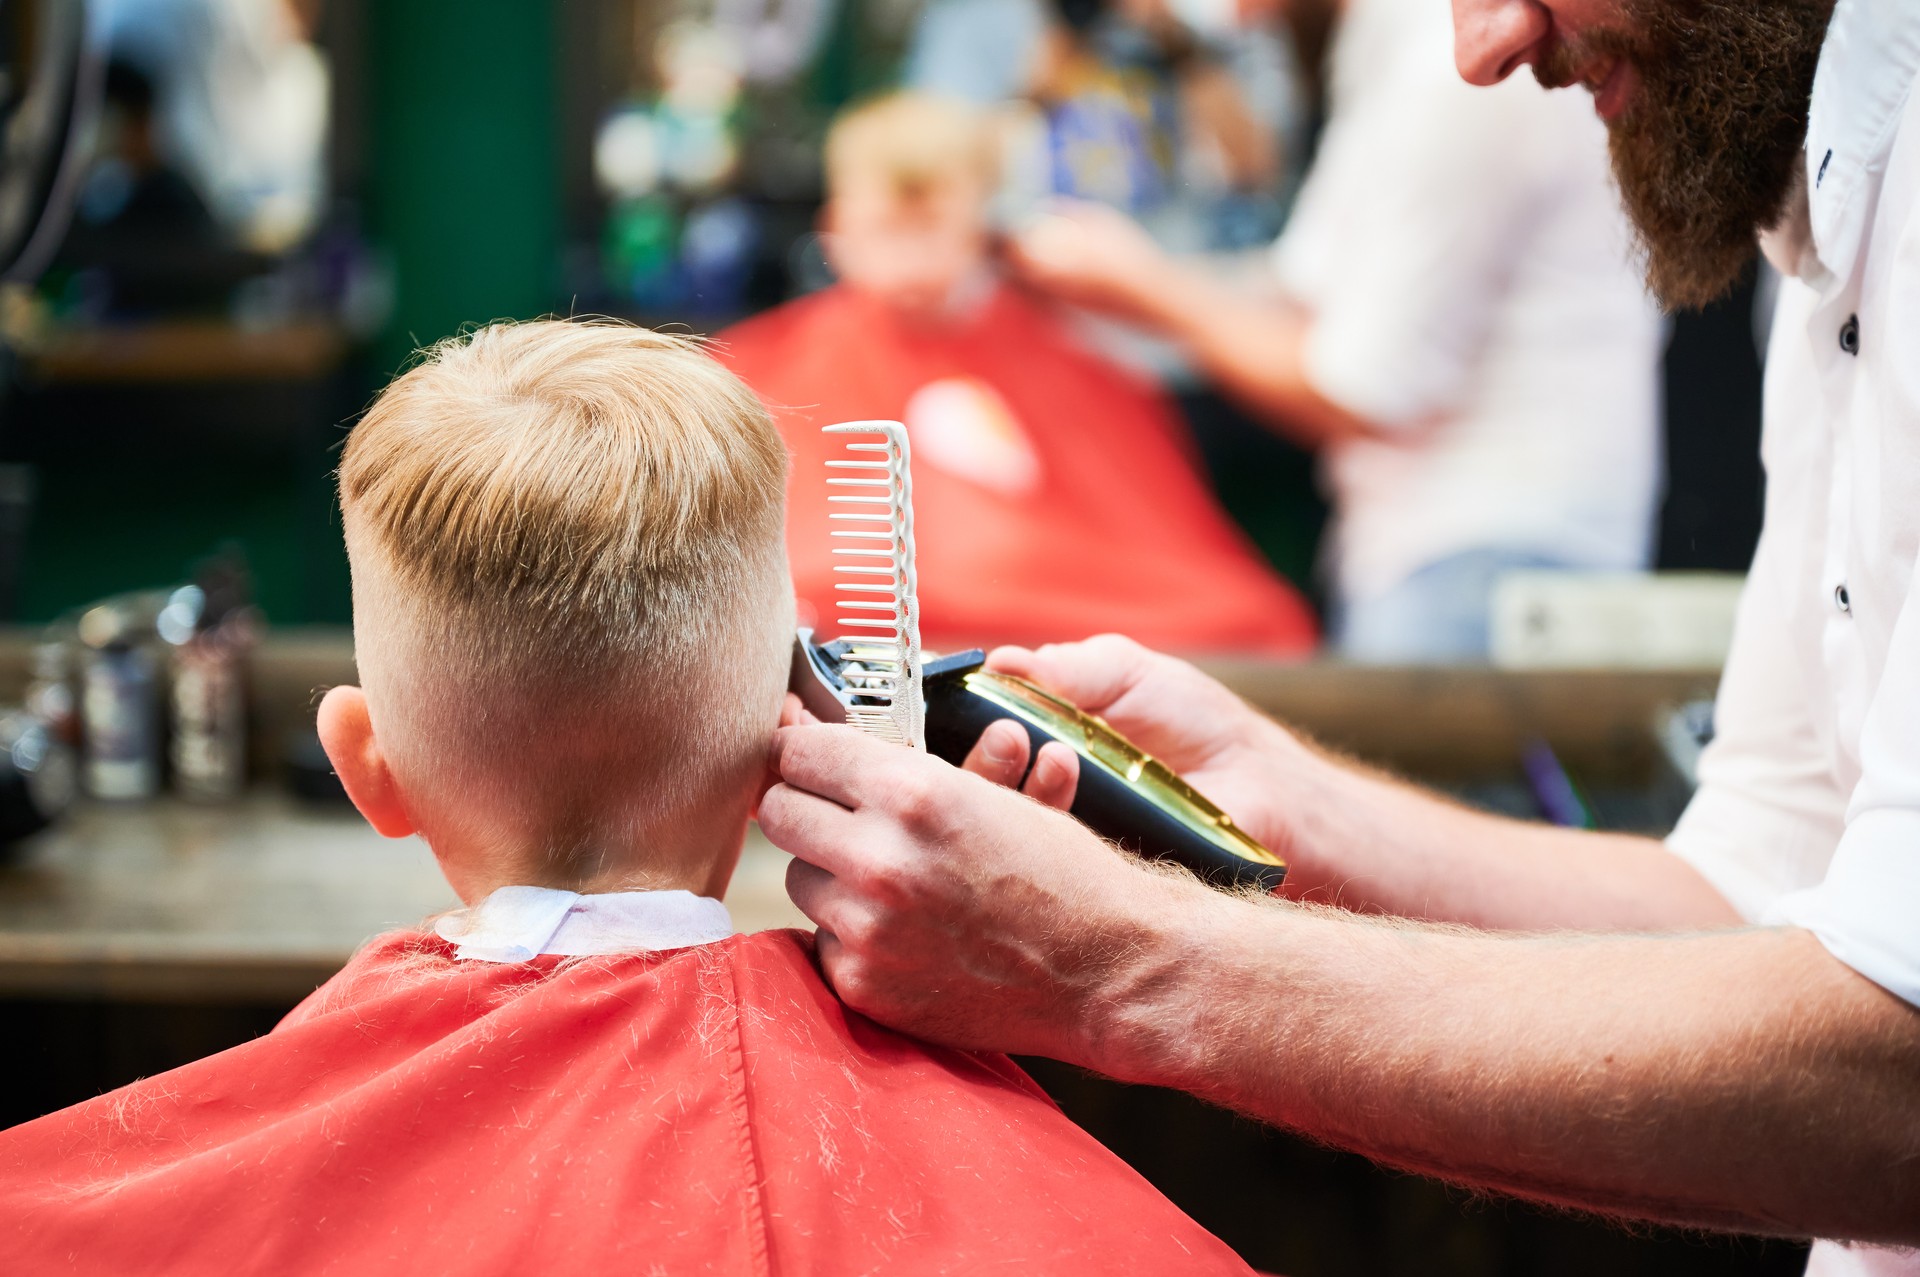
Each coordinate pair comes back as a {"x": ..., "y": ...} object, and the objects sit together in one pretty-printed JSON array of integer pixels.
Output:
[
  {"x": 1055, "y": 494},
  {"x": 573, "y": 621}
]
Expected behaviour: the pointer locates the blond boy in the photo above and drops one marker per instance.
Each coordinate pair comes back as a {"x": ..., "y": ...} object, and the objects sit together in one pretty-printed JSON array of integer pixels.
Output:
[{"x": 572, "y": 622}]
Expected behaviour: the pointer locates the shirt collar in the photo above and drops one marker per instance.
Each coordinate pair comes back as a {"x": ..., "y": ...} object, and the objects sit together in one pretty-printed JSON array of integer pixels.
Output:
[
  {"x": 1866, "y": 69},
  {"x": 515, "y": 924}
]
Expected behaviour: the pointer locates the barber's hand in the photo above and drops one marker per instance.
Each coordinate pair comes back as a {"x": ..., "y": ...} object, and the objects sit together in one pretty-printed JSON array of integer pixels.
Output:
[
  {"x": 1003, "y": 752},
  {"x": 1090, "y": 255},
  {"x": 1003, "y": 755},
  {"x": 955, "y": 909},
  {"x": 1236, "y": 756}
]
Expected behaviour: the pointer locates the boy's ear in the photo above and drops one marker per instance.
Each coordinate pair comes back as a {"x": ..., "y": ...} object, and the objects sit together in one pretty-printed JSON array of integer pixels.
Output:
[{"x": 346, "y": 733}]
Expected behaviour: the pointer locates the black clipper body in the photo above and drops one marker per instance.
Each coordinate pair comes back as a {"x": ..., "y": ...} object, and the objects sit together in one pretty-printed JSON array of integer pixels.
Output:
[{"x": 1124, "y": 795}]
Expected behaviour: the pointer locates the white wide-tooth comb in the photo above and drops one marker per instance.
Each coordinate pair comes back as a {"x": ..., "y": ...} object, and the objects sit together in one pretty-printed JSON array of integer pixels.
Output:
[{"x": 874, "y": 582}]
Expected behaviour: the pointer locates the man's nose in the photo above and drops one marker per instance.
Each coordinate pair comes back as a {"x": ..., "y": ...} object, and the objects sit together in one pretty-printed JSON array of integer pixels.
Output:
[{"x": 1494, "y": 38}]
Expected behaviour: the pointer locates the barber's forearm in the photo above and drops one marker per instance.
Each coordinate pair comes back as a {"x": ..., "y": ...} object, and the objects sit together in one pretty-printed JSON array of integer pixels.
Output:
[
  {"x": 1363, "y": 840},
  {"x": 1744, "y": 1080}
]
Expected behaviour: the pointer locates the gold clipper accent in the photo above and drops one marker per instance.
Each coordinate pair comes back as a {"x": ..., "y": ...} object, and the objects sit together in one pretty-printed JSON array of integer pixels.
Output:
[{"x": 1092, "y": 737}]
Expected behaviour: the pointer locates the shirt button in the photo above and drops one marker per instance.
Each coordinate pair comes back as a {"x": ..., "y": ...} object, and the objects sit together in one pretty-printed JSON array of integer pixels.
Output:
[
  {"x": 1850, "y": 335},
  {"x": 1842, "y": 599}
]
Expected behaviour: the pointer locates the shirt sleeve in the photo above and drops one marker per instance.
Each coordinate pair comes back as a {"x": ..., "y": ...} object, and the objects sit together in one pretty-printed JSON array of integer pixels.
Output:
[
  {"x": 1866, "y": 911},
  {"x": 1767, "y": 812},
  {"x": 1436, "y": 196},
  {"x": 1864, "y": 904}
]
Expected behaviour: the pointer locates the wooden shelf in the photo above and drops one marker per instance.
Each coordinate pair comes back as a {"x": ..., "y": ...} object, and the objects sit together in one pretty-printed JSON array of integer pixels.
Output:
[{"x": 186, "y": 352}]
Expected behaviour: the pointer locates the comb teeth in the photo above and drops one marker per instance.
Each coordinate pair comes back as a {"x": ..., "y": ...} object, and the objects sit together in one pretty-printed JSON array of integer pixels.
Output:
[{"x": 871, "y": 491}]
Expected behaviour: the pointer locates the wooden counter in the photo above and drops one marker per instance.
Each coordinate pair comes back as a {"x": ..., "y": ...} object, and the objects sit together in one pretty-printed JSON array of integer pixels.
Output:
[
  {"x": 1443, "y": 724},
  {"x": 258, "y": 902}
]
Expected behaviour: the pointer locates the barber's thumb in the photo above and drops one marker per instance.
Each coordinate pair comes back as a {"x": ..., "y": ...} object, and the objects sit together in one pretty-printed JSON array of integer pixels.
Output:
[
  {"x": 1092, "y": 673},
  {"x": 1058, "y": 667},
  {"x": 1017, "y": 661}
]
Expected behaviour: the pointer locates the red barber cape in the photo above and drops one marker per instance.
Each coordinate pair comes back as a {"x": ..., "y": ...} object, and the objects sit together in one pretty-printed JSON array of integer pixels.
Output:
[
  {"x": 704, "y": 1110},
  {"x": 1055, "y": 495}
]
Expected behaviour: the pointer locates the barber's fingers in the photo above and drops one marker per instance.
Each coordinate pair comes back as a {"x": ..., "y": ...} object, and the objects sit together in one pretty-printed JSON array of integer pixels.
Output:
[
  {"x": 844, "y": 933},
  {"x": 1001, "y": 754},
  {"x": 1056, "y": 776},
  {"x": 836, "y": 964},
  {"x": 839, "y": 763},
  {"x": 814, "y": 891},
  {"x": 792, "y": 714},
  {"x": 1093, "y": 675},
  {"x": 809, "y": 827}
]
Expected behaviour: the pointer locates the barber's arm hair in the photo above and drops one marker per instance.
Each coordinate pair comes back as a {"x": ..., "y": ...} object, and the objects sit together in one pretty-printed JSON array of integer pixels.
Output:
[{"x": 1740, "y": 1079}]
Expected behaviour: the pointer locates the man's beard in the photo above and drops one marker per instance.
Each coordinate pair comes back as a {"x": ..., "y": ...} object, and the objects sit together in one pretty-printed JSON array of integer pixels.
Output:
[{"x": 1706, "y": 151}]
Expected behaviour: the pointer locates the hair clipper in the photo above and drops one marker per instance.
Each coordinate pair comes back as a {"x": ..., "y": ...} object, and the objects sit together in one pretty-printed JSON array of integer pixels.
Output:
[{"x": 874, "y": 678}]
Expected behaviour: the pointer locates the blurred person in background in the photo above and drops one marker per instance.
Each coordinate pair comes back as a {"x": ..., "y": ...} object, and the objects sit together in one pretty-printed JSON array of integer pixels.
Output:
[
  {"x": 241, "y": 105},
  {"x": 1055, "y": 495},
  {"x": 1149, "y": 106},
  {"x": 142, "y": 242},
  {"x": 133, "y": 190},
  {"x": 1456, "y": 323}
]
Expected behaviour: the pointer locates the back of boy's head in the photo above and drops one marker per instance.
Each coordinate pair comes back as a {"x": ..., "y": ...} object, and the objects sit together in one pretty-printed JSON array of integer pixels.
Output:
[{"x": 571, "y": 606}]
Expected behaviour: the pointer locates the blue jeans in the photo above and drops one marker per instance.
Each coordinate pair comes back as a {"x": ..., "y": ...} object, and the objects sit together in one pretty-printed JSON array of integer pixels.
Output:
[{"x": 1437, "y": 616}]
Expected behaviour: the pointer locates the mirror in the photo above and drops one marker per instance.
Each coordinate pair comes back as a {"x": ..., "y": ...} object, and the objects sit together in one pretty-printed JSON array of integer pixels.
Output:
[{"x": 49, "y": 91}]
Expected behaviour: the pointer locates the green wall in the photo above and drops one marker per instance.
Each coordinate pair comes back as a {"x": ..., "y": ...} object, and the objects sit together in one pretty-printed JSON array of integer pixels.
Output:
[{"x": 464, "y": 169}]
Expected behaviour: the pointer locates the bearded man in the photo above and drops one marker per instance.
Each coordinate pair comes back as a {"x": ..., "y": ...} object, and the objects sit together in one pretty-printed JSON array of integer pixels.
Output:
[{"x": 1719, "y": 1030}]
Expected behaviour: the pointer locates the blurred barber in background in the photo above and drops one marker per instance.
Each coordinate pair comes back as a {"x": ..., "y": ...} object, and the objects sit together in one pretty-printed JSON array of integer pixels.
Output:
[
  {"x": 1453, "y": 318},
  {"x": 240, "y": 104},
  {"x": 1181, "y": 120}
]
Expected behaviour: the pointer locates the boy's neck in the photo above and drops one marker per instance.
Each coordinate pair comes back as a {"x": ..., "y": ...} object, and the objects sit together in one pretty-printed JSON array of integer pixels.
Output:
[{"x": 703, "y": 865}]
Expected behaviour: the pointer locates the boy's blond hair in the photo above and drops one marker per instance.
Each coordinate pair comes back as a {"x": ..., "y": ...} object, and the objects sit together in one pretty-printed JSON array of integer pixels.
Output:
[
  {"x": 570, "y": 588},
  {"x": 911, "y": 142}
]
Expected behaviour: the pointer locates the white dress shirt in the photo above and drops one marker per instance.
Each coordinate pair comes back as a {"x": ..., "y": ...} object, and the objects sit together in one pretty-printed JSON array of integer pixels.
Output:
[
  {"x": 1808, "y": 812},
  {"x": 1470, "y": 271}
]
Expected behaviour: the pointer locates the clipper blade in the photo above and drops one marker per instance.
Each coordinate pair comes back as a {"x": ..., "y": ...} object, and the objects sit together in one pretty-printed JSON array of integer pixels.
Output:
[{"x": 874, "y": 583}]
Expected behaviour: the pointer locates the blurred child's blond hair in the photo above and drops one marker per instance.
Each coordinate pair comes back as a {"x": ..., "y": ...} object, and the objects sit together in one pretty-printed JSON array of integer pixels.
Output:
[
  {"x": 910, "y": 142},
  {"x": 569, "y": 579}
]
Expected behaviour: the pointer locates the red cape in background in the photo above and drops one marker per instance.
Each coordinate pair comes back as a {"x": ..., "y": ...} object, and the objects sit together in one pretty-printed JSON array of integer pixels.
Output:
[
  {"x": 704, "y": 1110},
  {"x": 1055, "y": 495}
]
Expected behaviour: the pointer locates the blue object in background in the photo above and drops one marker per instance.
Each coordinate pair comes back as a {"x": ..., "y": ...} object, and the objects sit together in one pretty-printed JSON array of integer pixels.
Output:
[{"x": 1559, "y": 798}]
